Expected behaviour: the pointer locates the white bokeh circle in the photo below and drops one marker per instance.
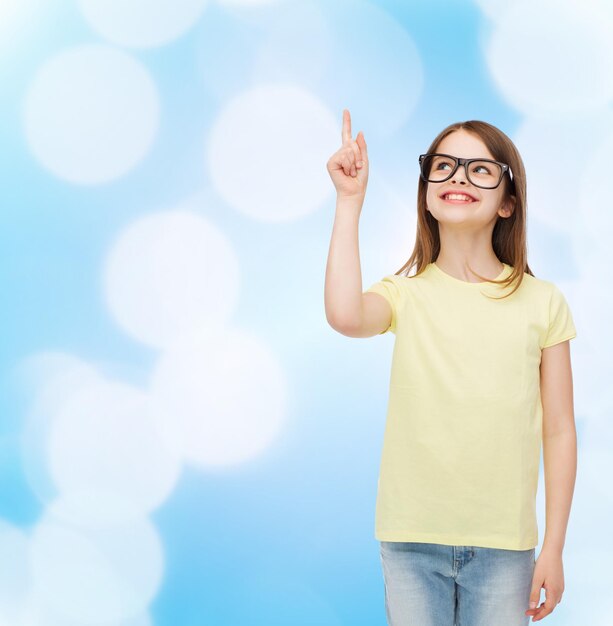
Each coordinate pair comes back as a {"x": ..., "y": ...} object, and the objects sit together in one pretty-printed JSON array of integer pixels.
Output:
[
  {"x": 552, "y": 58},
  {"x": 96, "y": 576},
  {"x": 382, "y": 85},
  {"x": 49, "y": 379},
  {"x": 593, "y": 216},
  {"x": 91, "y": 113},
  {"x": 267, "y": 151},
  {"x": 169, "y": 274},
  {"x": 554, "y": 151},
  {"x": 140, "y": 23},
  {"x": 15, "y": 572},
  {"x": 107, "y": 452},
  {"x": 271, "y": 44},
  {"x": 224, "y": 393}
]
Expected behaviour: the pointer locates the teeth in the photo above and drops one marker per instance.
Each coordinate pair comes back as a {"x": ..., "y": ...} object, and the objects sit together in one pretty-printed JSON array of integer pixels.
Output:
[{"x": 456, "y": 196}]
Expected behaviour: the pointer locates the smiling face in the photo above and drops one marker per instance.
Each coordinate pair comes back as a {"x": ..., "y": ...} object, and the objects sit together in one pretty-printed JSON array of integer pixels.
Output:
[{"x": 488, "y": 203}]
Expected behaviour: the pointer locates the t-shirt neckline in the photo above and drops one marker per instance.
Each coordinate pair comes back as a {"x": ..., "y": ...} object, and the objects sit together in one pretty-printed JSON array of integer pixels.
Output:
[{"x": 459, "y": 281}]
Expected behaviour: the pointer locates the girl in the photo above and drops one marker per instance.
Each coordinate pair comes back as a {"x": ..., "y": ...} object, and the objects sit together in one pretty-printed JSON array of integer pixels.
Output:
[{"x": 481, "y": 375}]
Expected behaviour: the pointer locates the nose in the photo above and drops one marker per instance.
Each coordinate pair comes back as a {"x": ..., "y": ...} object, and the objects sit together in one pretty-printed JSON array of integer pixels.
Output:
[{"x": 462, "y": 178}]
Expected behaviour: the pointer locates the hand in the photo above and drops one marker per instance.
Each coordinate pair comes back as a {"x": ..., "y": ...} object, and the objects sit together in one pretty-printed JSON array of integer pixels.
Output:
[
  {"x": 348, "y": 166},
  {"x": 548, "y": 573}
]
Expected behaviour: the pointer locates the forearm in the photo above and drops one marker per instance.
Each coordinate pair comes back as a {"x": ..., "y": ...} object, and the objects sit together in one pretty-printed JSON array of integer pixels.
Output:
[
  {"x": 343, "y": 288},
  {"x": 560, "y": 465}
]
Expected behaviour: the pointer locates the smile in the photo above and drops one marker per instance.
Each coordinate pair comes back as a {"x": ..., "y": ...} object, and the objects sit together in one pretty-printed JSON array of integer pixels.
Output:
[{"x": 456, "y": 198}]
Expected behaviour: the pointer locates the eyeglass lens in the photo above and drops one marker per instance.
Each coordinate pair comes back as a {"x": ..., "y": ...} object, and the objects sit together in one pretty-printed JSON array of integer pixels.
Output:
[{"x": 436, "y": 168}]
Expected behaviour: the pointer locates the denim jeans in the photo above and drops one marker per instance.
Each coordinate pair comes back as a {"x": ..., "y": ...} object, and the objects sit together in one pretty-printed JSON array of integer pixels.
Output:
[{"x": 430, "y": 584}]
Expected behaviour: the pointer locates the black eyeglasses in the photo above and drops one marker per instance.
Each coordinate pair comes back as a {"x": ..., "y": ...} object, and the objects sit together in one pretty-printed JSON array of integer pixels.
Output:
[{"x": 483, "y": 173}]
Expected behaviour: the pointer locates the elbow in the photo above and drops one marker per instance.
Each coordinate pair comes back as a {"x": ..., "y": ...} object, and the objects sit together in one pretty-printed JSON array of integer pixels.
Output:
[{"x": 344, "y": 326}]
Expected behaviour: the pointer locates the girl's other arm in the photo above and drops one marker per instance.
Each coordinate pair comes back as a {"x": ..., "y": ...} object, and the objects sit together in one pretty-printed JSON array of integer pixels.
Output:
[
  {"x": 559, "y": 442},
  {"x": 560, "y": 456}
]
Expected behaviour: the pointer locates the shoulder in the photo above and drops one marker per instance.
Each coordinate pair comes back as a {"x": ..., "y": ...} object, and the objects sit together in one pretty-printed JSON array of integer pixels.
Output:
[
  {"x": 396, "y": 283},
  {"x": 539, "y": 289},
  {"x": 550, "y": 291},
  {"x": 554, "y": 311},
  {"x": 390, "y": 287}
]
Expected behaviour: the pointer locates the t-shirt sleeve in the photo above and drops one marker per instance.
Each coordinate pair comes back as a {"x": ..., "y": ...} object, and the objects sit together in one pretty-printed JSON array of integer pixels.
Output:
[
  {"x": 561, "y": 325},
  {"x": 389, "y": 288}
]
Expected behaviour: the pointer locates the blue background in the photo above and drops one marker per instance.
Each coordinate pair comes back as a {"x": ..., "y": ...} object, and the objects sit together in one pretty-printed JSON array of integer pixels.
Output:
[{"x": 281, "y": 532}]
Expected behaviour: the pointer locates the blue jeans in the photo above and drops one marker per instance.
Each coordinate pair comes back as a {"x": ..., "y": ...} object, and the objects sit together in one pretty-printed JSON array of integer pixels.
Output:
[{"x": 430, "y": 584}]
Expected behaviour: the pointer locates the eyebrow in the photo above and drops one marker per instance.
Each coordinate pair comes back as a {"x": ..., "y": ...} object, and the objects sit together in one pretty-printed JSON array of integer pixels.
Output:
[{"x": 480, "y": 158}]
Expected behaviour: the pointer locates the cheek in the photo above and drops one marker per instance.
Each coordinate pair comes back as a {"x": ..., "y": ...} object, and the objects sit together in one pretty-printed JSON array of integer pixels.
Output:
[{"x": 496, "y": 205}]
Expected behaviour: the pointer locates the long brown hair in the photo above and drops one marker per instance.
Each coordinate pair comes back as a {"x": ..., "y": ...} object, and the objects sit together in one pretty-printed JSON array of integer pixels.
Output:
[{"x": 509, "y": 234}]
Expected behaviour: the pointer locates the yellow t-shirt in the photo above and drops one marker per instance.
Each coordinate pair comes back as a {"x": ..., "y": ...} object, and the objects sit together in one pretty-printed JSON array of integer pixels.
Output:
[{"x": 462, "y": 441}]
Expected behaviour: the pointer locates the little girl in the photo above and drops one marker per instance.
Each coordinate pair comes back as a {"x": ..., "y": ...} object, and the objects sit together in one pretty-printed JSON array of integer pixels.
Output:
[{"x": 480, "y": 377}]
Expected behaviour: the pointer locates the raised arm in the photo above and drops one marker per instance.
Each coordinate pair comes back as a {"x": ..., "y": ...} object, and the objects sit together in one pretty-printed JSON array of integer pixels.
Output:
[{"x": 348, "y": 310}]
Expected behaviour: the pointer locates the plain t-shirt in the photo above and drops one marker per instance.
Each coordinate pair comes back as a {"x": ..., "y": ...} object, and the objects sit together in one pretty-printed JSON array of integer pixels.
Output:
[{"x": 462, "y": 440}]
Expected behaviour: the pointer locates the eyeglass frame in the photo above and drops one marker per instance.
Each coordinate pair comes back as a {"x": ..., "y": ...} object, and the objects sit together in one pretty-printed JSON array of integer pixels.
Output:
[{"x": 465, "y": 162}]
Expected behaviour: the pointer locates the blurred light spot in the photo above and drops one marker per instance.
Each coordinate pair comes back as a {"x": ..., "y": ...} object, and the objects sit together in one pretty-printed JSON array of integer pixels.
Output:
[
  {"x": 106, "y": 450},
  {"x": 15, "y": 572},
  {"x": 593, "y": 219},
  {"x": 273, "y": 44},
  {"x": 226, "y": 394},
  {"x": 96, "y": 576},
  {"x": 554, "y": 149},
  {"x": 141, "y": 23},
  {"x": 267, "y": 153},
  {"x": 49, "y": 379},
  {"x": 91, "y": 114},
  {"x": 168, "y": 274},
  {"x": 563, "y": 62},
  {"x": 380, "y": 84}
]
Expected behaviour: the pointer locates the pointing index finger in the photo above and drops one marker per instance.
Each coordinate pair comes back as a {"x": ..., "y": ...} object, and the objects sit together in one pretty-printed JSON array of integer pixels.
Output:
[{"x": 346, "y": 134}]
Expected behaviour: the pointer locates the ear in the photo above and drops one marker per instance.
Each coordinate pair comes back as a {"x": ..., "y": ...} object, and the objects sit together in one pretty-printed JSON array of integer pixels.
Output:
[{"x": 506, "y": 210}]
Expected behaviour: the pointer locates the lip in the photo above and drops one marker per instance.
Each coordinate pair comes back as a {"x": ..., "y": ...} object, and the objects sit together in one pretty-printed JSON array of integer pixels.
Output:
[{"x": 457, "y": 191}]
